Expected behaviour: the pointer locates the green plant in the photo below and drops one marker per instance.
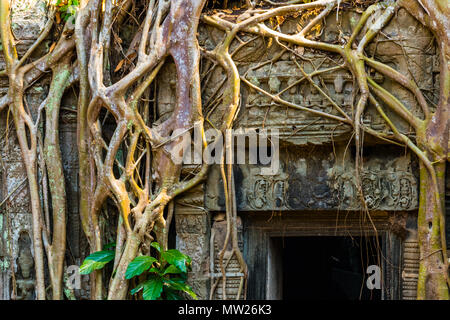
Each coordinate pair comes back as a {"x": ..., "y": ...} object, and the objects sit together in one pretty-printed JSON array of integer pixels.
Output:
[
  {"x": 98, "y": 260},
  {"x": 166, "y": 276},
  {"x": 67, "y": 8}
]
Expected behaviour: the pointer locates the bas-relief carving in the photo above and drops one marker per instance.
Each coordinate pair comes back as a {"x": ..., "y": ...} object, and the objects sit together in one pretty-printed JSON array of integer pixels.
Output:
[
  {"x": 383, "y": 190},
  {"x": 25, "y": 263},
  {"x": 196, "y": 246},
  {"x": 320, "y": 188},
  {"x": 15, "y": 234},
  {"x": 316, "y": 181},
  {"x": 191, "y": 224}
]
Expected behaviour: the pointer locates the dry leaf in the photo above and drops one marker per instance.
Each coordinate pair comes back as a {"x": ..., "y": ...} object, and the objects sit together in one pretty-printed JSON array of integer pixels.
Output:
[
  {"x": 52, "y": 47},
  {"x": 119, "y": 65},
  {"x": 131, "y": 56},
  {"x": 58, "y": 17}
]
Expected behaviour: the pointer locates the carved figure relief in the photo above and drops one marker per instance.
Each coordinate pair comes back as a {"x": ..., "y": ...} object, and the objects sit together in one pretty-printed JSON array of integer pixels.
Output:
[
  {"x": 383, "y": 190},
  {"x": 266, "y": 191},
  {"x": 319, "y": 182},
  {"x": 25, "y": 281}
]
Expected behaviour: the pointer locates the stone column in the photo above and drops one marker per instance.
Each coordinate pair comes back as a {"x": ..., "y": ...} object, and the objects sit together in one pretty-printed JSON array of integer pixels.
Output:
[{"x": 193, "y": 227}]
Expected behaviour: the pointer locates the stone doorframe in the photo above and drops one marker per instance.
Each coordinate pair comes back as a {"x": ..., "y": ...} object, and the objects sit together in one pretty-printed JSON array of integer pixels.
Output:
[{"x": 261, "y": 227}]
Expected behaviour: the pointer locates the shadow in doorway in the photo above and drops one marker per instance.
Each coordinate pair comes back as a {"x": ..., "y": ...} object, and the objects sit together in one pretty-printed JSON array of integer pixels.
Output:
[{"x": 322, "y": 267}]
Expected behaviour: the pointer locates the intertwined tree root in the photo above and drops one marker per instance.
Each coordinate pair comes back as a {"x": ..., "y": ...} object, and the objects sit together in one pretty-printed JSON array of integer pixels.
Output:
[{"x": 143, "y": 184}]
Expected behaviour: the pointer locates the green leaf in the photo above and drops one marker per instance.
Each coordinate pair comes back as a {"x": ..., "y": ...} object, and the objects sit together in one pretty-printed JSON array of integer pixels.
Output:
[
  {"x": 101, "y": 256},
  {"x": 176, "y": 258},
  {"x": 138, "y": 288},
  {"x": 178, "y": 280},
  {"x": 171, "y": 294},
  {"x": 156, "y": 246},
  {"x": 139, "y": 265},
  {"x": 190, "y": 292},
  {"x": 172, "y": 269},
  {"x": 180, "y": 287},
  {"x": 90, "y": 265},
  {"x": 155, "y": 270},
  {"x": 96, "y": 261},
  {"x": 153, "y": 288}
]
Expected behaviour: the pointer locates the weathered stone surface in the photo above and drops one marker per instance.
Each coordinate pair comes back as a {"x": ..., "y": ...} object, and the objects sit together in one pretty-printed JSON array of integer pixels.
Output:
[
  {"x": 192, "y": 223},
  {"x": 28, "y": 19},
  {"x": 405, "y": 45},
  {"x": 310, "y": 178},
  {"x": 230, "y": 262},
  {"x": 321, "y": 180}
]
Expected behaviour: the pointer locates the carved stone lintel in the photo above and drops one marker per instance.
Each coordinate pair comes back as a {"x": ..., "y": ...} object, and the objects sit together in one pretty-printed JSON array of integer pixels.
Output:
[
  {"x": 383, "y": 190},
  {"x": 317, "y": 181}
]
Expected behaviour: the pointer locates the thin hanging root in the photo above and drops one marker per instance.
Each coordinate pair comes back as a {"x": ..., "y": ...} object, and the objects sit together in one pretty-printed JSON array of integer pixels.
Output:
[
  {"x": 235, "y": 242},
  {"x": 231, "y": 215},
  {"x": 228, "y": 219},
  {"x": 231, "y": 100},
  {"x": 356, "y": 63},
  {"x": 214, "y": 286}
]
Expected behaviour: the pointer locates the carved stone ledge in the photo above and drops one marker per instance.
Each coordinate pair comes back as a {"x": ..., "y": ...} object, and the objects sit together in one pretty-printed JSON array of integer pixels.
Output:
[{"x": 317, "y": 181}]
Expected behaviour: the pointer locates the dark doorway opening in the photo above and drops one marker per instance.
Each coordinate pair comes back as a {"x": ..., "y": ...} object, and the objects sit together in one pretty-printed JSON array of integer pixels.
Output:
[{"x": 325, "y": 267}]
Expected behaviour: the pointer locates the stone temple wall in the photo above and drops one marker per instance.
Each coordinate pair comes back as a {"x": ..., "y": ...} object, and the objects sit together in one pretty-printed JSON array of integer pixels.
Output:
[
  {"x": 316, "y": 171},
  {"x": 16, "y": 250},
  {"x": 15, "y": 219},
  {"x": 316, "y": 174}
]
